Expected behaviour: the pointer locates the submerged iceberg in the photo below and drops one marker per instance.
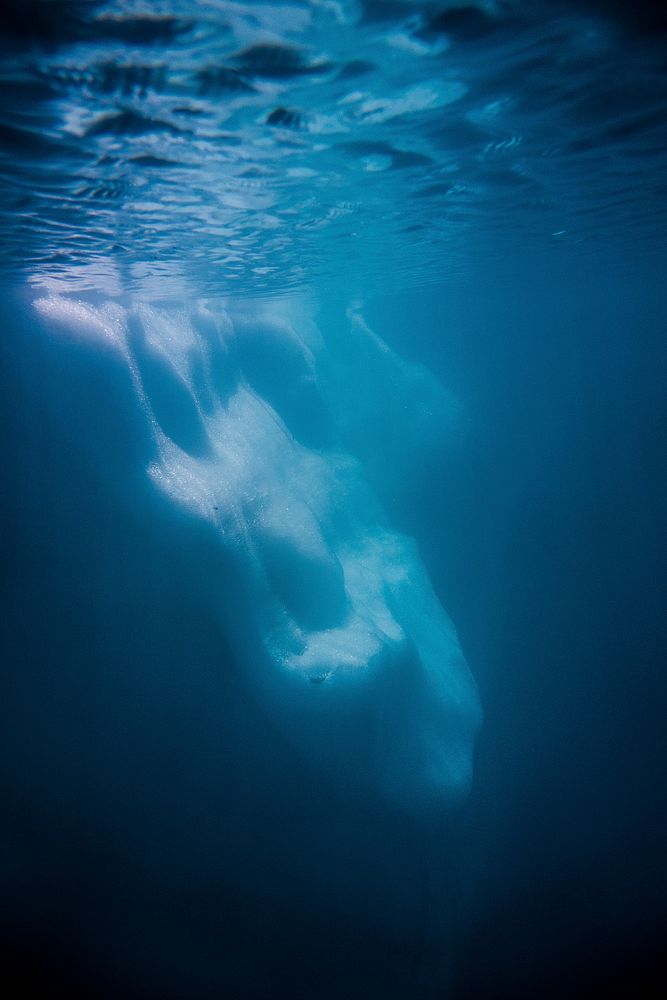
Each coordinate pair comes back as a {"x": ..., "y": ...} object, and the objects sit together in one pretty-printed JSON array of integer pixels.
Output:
[{"x": 276, "y": 444}]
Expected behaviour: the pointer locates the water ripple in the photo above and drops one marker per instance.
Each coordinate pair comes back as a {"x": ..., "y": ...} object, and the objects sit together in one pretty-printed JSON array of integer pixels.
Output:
[{"x": 254, "y": 147}]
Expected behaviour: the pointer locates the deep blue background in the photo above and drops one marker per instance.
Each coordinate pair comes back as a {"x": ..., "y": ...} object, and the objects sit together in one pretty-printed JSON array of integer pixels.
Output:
[
  {"x": 553, "y": 567},
  {"x": 163, "y": 841}
]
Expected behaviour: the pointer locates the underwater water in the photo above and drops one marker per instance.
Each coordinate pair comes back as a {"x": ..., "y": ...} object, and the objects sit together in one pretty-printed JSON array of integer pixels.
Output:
[{"x": 333, "y": 487}]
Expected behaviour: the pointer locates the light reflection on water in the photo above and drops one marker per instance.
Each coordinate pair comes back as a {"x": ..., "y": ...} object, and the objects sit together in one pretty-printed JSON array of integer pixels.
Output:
[{"x": 233, "y": 148}]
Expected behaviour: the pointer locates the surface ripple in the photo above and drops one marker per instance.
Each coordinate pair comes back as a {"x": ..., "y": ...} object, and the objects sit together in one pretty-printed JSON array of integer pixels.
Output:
[{"x": 251, "y": 148}]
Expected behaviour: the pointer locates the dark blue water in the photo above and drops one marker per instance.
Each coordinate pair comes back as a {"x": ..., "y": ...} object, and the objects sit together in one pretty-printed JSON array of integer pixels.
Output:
[{"x": 333, "y": 448}]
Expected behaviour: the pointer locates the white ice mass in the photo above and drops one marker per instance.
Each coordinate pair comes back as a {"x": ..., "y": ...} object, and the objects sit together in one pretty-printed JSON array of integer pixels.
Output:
[{"x": 279, "y": 442}]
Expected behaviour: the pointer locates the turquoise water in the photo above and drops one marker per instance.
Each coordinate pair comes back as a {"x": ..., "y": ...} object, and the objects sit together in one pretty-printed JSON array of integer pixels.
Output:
[{"x": 332, "y": 431}]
